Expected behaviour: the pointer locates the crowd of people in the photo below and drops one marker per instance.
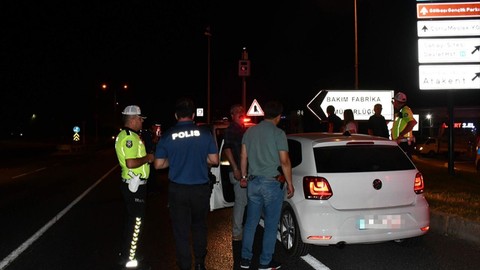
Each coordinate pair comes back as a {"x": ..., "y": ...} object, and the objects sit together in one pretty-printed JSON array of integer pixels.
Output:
[{"x": 258, "y": 158}]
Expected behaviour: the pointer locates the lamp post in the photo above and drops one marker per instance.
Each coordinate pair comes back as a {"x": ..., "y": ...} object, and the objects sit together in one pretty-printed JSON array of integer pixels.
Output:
[
  {"x": 115, "y": 100},
  {"x": 208, "y": 34},
  {"x": 356, "y": 44},
  {"x": 429, "y": 117}
]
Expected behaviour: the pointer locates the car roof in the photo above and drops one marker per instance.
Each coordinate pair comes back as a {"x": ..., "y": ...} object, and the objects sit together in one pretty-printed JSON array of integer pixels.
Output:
[{"x": 338, "y": 138}]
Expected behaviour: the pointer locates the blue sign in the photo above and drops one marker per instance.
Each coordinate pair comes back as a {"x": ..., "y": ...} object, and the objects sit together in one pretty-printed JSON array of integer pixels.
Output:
[{"x": 76, "y": 129}]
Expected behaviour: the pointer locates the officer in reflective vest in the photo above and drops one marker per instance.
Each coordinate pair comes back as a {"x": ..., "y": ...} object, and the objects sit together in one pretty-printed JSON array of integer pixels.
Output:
[
  {"x": 403, "y": 124},
  {"x": 134, "y": 162}
]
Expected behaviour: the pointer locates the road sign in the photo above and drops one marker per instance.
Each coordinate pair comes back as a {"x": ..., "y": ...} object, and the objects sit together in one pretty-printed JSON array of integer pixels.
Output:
[
  {"x": 448, "y": 10},
  {"x": 199, "y": 112},
  {"x": 434, "y": 77},
  {"x": 255, "y": 109},
  {"x": 361, "y": 102},
  {"x": 448, "y": 50},
  {"x": 450, "y": 28}
]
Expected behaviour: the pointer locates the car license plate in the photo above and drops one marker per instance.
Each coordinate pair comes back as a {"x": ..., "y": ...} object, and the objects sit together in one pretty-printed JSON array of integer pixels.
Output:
[{"x": 380, "y": 222}]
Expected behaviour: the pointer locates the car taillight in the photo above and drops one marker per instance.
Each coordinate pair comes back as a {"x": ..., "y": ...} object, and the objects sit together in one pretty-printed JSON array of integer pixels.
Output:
[
  {"x": 418, "y": 185},
  {"x": 316, "y": 188}
]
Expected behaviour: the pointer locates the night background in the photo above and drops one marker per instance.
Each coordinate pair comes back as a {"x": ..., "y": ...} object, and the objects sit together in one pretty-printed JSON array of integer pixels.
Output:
[{"x": 55, "y": 56}]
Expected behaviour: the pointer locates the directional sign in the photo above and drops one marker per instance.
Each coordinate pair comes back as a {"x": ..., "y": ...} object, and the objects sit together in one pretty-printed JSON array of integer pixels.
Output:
[
  {"x": 448, "y": 10},
  {"x": 448, "y": 50},
  {"x": 433, "y": 77},
  {"x": 361, "y": 102},
  {"x": 255, "y": 109},
  {"x": 450, "y": 28}
]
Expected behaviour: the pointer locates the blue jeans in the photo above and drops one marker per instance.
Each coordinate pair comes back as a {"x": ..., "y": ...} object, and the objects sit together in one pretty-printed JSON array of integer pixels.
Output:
[
  {"x": 264, "y": 196},
  {"x": 239, "y": 206}
]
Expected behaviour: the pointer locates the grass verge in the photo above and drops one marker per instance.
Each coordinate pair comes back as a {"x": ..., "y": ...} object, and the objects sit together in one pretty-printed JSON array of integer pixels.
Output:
[{"x": 457, "y": 194}]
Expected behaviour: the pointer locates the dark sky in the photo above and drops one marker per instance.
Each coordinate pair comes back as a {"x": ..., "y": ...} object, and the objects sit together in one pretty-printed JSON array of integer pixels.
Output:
[{"x": 56, "y": 54}]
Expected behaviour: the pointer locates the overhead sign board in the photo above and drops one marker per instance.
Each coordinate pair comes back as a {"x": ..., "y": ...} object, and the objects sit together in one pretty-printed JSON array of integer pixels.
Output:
[
  {"x": 255, "y": 109},
  {"x": 443, "y": 28},
  {"x": 361, "y": 102},
  {"x": 448, "y": 10},
  {"x": 448, "y": 50},
  {"x": 452, "y": 47},
  {"x": 434, "y": 77}
]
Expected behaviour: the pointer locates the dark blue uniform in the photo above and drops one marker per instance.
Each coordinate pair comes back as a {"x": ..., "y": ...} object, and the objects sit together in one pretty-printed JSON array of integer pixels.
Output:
[{"x": 187, "y": 146}]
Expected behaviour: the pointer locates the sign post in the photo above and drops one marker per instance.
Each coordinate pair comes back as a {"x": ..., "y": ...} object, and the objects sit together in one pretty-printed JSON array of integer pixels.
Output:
[{"x": 244, "y": 71}]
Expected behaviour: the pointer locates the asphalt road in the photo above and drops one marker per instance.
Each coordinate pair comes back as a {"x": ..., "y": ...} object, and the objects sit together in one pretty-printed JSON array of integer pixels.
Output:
[{"x": 66, "y": 212}]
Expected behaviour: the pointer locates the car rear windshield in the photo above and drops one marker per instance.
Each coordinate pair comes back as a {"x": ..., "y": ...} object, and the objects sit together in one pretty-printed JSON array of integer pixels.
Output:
[{"x": 361, "y": 158}]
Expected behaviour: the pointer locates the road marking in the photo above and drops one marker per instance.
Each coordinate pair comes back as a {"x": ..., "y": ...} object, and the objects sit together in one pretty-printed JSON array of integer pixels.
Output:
[
  {"x": 27, "y": 173},
  {"x": 309, "y": 259},
  {"x": 12, "y": 256}
]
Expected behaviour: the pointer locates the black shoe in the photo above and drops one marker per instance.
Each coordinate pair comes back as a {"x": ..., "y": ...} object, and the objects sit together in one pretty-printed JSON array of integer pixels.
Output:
[
  {"x": 245, "y": 263},
  {"x": 273, "y": 265},
  {"x": 200, "y": 266}
]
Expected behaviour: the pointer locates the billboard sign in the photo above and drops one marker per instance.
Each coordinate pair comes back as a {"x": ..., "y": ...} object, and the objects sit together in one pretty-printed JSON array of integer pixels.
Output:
[{"x": 361, "y": 102}]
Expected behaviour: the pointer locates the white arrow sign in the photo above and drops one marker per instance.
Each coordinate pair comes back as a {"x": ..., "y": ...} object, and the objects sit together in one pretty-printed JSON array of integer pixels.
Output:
[
  {"x": 432, "y": 77},
  {"x": 361, "y": 102},
  {"x": 448, "y": 50},
  {"x": 448, "y": 28}
]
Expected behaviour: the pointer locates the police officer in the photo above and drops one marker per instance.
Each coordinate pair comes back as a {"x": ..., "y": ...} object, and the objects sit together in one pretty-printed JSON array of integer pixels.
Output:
[
  {"x": 134, "y": 162},
  {"x": 403, "y": 124},
  {"x": 188, "y": 150}
]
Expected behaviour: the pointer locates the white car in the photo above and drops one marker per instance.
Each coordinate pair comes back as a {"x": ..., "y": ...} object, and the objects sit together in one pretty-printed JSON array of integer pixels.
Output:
[
  {"x": 222, "y": 190},
  {"x": 354, "y": 189}
]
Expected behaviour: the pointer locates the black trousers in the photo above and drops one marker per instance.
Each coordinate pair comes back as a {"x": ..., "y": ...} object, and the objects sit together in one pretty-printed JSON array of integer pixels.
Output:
[
  {"x": 407, "y": 148},
  {"x": 135, "y": 204},
  {"x": 189, "y": 206}
]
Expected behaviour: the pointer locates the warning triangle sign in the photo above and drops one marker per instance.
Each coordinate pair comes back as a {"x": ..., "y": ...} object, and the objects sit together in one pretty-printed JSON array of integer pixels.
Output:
[{"x": 255, "y": 109}]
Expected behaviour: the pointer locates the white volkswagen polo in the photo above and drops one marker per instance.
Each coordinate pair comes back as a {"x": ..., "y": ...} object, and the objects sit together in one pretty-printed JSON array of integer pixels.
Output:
[{"x": 354, "y": 189}]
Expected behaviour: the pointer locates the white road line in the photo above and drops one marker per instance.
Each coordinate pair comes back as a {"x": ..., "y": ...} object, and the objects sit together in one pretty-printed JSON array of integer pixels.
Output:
[
  {"x": 12, "y": 256},
  {"x": 309, "y": 259},
  {"x": 23, "y": 174}
]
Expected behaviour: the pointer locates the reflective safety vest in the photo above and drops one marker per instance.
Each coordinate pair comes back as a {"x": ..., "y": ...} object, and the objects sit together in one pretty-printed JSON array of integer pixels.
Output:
[
  {"x": 402, "y": 118},
  {"x": 129, "y": 145}
]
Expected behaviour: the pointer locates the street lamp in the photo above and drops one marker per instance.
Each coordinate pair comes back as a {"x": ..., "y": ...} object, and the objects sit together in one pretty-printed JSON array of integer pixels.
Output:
[
  {"x": 429, "y": 117},
  {"x": 208, "y": 34},
  {"x": 356, "y": 43},
  {"x": 115, "y": 100}
]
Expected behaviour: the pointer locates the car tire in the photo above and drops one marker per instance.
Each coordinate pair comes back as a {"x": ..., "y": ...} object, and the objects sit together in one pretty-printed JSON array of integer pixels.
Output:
[{"x": 290, "y": 237}]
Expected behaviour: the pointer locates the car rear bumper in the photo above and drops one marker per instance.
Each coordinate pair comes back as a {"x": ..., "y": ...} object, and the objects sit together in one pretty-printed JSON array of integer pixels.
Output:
[{"x": 322, "y": 225}]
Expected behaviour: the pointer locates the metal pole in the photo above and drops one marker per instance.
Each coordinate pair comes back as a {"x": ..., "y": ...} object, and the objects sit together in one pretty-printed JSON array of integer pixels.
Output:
[
  {"x": 356, "y": 45},
  {"x": 209, "y": 36},
  {"x": 244, "y": 93},
  {"x": 451, "y": 154}
]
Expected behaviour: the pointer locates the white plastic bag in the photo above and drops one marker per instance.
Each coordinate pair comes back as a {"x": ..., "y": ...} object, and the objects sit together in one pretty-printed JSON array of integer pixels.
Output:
[{"x": 134, "y": 182}]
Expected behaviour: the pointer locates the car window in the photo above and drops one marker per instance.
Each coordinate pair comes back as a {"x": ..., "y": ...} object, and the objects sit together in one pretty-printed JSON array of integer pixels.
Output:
[
  {"x": 361, "y": 158},
  {"x": 295, "y": 152}
]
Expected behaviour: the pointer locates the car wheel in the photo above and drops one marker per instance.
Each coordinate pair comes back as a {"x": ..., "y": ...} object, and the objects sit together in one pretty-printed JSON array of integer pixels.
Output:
[{"x": 290, "y": 234}]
